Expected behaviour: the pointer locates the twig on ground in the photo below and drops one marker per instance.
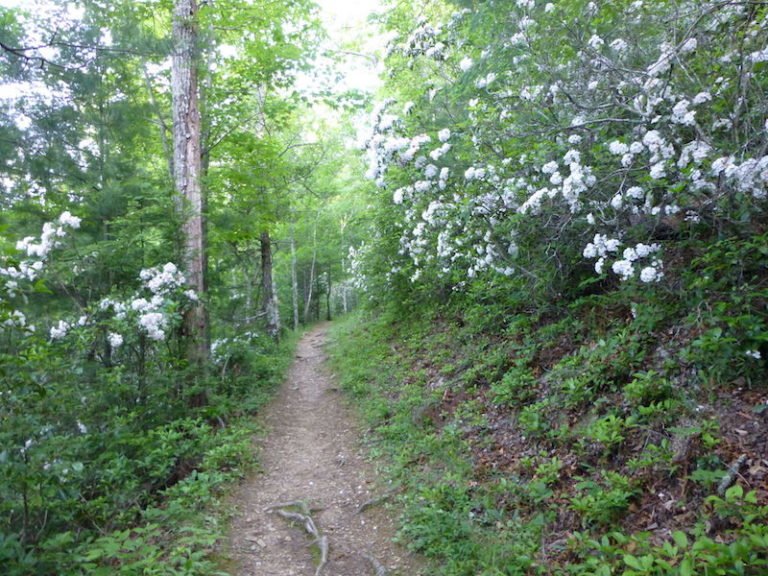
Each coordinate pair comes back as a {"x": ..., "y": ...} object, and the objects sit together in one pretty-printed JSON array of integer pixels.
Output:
[{"x": 731, "y": 474}]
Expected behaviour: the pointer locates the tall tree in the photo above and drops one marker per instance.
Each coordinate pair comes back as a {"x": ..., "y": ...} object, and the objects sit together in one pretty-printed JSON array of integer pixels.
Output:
[
  {"x": 187, "y": 168},
  {"x": 269, "y": 296}
]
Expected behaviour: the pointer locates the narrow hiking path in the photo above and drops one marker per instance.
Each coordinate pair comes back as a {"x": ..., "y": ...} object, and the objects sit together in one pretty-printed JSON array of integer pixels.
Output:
[{"x": 312, "y": 454}]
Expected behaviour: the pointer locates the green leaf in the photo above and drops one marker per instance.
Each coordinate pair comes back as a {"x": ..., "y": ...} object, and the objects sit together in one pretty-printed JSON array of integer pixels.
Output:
[
  {"x": 734, "y": 493},
  {"x": 94, "y": 554},
  {"x": 680, "y": 538},
  {"x": 632, "y": 562},
  {"x": 686, "y": 567}
]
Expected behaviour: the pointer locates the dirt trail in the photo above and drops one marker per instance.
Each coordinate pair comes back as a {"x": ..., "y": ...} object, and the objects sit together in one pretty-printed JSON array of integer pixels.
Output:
[{"x": 312, "y": 453}]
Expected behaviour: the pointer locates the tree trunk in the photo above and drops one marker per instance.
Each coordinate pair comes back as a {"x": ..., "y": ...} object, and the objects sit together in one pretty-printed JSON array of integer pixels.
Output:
[
  {"x": 308, "y": 303},
  {"x": 187, "y": 172},
  {"x": 269, "y": 304},
  {"x": 294, "y": 281},
  {"x": 343, "y": 226},
  {"x": 328, "y": 295}
]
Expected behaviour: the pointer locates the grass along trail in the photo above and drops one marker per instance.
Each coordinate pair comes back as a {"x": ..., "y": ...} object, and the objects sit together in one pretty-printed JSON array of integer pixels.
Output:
[{"x": 301, "y": 515}]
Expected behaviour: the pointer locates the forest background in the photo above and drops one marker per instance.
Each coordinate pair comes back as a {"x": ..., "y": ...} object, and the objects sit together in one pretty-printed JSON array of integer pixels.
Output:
[{"x": 553, "y": 215}]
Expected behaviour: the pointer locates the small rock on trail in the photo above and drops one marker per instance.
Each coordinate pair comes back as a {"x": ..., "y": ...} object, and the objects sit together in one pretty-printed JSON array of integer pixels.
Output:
[{"x": 312, "y": 454}]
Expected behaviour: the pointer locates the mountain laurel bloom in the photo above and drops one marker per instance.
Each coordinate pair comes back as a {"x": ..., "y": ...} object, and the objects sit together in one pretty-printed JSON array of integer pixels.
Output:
[
  {"x": 650, "y": 274},
  {"x": 60, "y": 330},
  {"x": 549, "y": 168},
  {"x": 618, "y": 148},
  {"x": 662, "y": 124},
  {"x": 115, "y": 340},
  {"x": 66, "y": 219},
  {"x": 154, "y": 324},
  {"x": 595, "y": 42},
  {"x": 619, "y": 45}
]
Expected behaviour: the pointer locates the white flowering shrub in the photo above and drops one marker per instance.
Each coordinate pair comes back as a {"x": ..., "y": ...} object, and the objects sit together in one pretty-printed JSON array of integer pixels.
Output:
[
  {"x": 557, "y": 138},
  {"x": 152, "y": 311},
  {"x": 69, "y": 376}
]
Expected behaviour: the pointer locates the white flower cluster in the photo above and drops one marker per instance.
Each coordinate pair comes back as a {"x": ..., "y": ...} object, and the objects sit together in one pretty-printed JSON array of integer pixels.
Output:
[
  {"x": 60, "y": 330},
  {"x": 17, "y": 319},
  {"x": 154, "y": 324},
  {"x": 384, "y": 146},
  {"x": 119, "y": 308},
  {"x": 682, "y": 115},
  {"x": 220, "y": 346},
  {"x": 750, "y": 176},
  {"x": 423, "y": 41},
  {"x": 625, "y": 267},
  {"x": 115, "y": 340},
  {"x": 356, "y": 266},
  {"x": 570, "y": 188},
  {"x": 162, "y": 282},
  {"x": 149, "y": 313},
  {"x": 603, "y": 248},
  {"x": 162, "y": 279},
  {"x": 49, "y": 238},
  {"x": 665, "y": 134},
  {"x": 37, "y": 251}
]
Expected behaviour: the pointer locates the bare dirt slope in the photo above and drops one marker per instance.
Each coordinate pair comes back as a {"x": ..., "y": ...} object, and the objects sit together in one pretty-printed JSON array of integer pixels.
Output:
[{"x": 312, "y": 454}]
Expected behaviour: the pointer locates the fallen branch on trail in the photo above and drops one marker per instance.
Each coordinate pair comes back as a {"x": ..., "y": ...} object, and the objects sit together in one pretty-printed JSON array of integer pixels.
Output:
[{"x": 304, "y": 517}]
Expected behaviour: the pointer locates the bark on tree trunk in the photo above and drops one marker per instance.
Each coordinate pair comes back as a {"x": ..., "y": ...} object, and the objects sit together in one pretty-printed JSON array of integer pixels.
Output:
[
  {"x": 294, "y": 281},
  {"x": 187, "y": 172},
  {"x": 308, "y": 303},
  {"x": 343, "y": 227},
  {"x": 328, "y": 295},
  {"x": 269, "y": 304}
]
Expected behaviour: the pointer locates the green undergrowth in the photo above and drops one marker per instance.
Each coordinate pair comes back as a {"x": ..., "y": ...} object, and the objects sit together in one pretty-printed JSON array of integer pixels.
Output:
[
  {"x": 131, "y": 495},
  {"x": 589, "y": 439}
]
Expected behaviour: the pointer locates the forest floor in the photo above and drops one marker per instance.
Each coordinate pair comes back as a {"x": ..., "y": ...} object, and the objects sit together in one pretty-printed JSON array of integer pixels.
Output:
[{"x": 316, "y": 491}]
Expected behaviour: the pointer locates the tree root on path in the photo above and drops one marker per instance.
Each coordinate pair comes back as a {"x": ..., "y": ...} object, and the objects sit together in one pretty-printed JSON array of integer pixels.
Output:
[
  {"x": 305, "y": 519},
  {"x": 376, "y": 500},
  {"x": 300, "y": 504},
  {"x": 380, "y": 570}
]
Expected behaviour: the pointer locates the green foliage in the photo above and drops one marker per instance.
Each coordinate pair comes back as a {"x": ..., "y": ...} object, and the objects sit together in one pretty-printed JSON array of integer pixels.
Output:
[
  {"x": 605, "y": 501},
  {"x": 608, "y": 430},
  {"x": 684, "y": 554},
  {"x": 517, "y": 386},
  {"x": 114, "y": 447},
  {"x": 125, "y": 464},
  {"x": 580, "y": 459}
]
